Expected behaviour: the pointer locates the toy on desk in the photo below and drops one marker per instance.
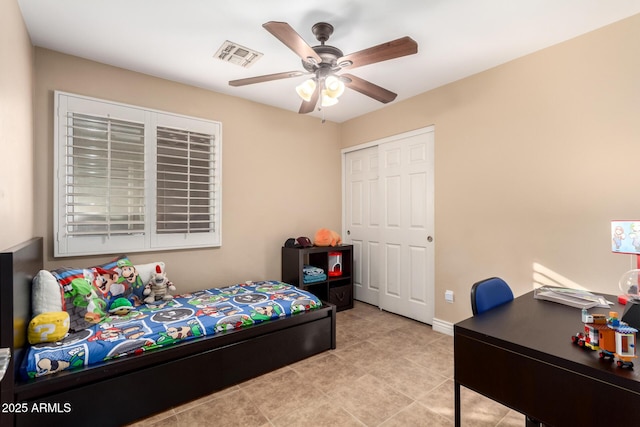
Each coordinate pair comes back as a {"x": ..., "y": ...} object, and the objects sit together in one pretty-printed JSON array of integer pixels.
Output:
[{"x": 615, "y": 339}]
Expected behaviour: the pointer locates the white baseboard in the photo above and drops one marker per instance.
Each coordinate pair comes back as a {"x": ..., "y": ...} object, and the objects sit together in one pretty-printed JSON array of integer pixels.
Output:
[{"x": 442, "y": 326}]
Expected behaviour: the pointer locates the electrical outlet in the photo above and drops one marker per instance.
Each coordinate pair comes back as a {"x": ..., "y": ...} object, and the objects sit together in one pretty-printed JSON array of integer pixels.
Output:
[{"x": 448, "y": 296}]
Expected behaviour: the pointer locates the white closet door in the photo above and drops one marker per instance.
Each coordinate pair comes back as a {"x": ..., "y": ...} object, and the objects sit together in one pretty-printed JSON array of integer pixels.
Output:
[
  {"x": 389, "y": 218},
  {"x": 361, "y": 221},
  {"x": 406, "y": 226}
]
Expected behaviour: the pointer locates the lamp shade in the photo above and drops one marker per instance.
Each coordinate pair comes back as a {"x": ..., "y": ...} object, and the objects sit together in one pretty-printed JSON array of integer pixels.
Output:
[
  {"x": 305, "y": 89},
  {"x": 328, "y": 101},
  {"x": 334, "y": 87}
]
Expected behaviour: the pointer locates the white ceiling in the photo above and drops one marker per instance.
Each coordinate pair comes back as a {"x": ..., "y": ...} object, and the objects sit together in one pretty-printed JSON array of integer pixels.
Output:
[{"x": 177, "y": 39}]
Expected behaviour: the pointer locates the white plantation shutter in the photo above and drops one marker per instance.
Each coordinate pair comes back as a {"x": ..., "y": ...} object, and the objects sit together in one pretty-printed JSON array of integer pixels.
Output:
[
  {"x": 185, "y": 182},
  {"x": 130, "y": 179},
  {"x": 104, "y": 175}
]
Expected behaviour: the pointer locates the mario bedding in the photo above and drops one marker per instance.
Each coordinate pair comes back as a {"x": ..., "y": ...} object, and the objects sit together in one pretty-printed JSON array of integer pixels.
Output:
[{"x": 185, "y": 317}]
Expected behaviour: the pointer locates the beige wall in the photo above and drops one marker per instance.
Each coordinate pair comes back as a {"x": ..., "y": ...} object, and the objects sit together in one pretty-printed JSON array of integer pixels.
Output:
[
  {"x": 280, "y": 170},
  {"x": 532, "y": 160},
  {"x": 16, "y": 132}
]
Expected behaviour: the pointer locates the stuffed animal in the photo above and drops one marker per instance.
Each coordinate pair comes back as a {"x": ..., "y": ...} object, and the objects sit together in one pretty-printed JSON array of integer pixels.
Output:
[
  {"x": 87, "y": 302},
  {"x": 158, "y": 287},
  {"x": 48, "y": 327},
  {"x": 120, "y": 307},
  {"x": 326, "y": 237}
]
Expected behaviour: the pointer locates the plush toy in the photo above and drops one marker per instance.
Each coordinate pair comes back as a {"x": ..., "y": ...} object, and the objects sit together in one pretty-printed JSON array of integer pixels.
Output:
[
  {"x": 120, "y": 307},
  {"x": 87, "y": 300},
  {"x": 326, "y": 237},
  {"x": 48, "y": 327},
  {"x": 158, "y": 287}
]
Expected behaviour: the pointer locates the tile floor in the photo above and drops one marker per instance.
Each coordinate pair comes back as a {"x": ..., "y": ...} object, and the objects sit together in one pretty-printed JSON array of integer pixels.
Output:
[{"x": 387, "y": 371}]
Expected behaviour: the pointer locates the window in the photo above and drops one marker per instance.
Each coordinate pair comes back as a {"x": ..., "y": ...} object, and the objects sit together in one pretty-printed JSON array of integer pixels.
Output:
[{"x": 130, "y": 179}]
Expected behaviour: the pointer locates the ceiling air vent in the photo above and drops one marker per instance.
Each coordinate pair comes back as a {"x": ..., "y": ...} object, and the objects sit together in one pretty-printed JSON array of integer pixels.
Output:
[{"x": 236, "y": 54}]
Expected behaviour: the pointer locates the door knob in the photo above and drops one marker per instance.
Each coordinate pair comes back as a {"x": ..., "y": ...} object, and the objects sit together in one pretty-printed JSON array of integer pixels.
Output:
[
  {"x": 429, "y": 239},
  {"x": 348, "y": 232}
]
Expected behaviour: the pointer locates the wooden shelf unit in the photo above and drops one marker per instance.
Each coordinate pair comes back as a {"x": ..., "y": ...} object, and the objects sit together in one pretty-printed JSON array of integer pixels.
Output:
[{"x": 337, "y": 290}]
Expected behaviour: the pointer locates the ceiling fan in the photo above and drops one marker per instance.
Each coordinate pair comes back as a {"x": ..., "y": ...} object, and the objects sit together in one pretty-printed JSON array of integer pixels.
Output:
[{"x": 324, "y": 62}]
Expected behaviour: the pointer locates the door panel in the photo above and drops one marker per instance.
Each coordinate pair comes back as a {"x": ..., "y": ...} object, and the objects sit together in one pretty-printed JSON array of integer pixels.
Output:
[
  {"x": 391, "y": 266},
  {"x": 418, "y": 273}
]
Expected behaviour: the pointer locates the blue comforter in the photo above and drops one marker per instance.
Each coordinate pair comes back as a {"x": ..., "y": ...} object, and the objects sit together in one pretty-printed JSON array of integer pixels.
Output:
[{"x": 152, "y": 326}]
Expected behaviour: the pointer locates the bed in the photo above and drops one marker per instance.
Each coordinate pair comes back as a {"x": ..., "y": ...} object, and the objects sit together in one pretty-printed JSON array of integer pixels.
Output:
[{"x": 145, "y": 383}]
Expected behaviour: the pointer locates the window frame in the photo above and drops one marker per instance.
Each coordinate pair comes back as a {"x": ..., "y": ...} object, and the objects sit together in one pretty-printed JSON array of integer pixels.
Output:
[{"x": 67, "y": 246}]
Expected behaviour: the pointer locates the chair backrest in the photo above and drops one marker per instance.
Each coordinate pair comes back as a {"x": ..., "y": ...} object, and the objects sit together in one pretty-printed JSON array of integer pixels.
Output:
[{"x": 489, "y": 293}]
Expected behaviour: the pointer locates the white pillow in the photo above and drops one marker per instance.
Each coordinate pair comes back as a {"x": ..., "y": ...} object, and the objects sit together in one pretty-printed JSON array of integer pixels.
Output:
[
  {"x": 45, "y": 293},
  {"x": 145, "y": 271}
]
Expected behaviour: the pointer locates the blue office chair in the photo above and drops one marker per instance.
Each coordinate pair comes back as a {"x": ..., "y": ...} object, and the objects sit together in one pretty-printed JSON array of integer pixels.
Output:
[{"x": 489, "y": 293}]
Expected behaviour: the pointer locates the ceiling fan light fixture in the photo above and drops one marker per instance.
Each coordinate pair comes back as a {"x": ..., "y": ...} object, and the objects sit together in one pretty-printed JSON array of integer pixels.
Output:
[
  {"x": 334, "y": 87},
  {"x": 328, "y": 100},
  {"x": 306, "y": 89}
]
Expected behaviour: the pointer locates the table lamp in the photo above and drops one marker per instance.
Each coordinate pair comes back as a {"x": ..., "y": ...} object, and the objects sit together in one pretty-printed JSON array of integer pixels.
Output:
[{"x": 625, "y": 238}]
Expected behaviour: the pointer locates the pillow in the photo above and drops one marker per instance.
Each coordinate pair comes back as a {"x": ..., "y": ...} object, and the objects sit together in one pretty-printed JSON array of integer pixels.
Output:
[
  {"x": 45, "y": 293},
  {"x": 65, "y": 289},
  {"x": 86, "y": 292},
  {"x": 129, "y": 279},
  {"x": 48, "y": 327},
  {"x": 135, "y": 277},
  {"x": 84, "y": 305},
  {"x": 121, "y": 279},
  {"x": 109, "y": 280},
  {"x": 145, "y": 271}
]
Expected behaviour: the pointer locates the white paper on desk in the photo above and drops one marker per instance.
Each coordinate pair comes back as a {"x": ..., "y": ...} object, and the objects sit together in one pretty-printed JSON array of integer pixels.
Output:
[{"x": 572, "y": 297}]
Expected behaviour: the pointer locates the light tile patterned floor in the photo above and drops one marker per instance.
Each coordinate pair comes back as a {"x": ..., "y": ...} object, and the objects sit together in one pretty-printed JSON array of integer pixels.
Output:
[{"x": 387, "y": 371}]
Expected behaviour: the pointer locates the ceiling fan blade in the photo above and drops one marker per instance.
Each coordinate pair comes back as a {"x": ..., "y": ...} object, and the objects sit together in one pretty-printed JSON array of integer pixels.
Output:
[
  {"x": 266, "y": 78},
  {"x": 287, "y": 35},
  {"x": 394, "y": 49},
  {"x": 309, "y": 106},
  {"x": 367, "y": 88}
]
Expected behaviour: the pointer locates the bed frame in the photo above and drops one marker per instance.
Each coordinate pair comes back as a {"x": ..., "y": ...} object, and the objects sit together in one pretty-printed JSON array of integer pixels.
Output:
[{"x": 148, "y": 383}]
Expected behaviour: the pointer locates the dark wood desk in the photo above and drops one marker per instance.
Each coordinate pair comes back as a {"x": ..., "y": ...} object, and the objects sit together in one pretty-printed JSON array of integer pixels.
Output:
[{"x": 521, "y": 355}]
